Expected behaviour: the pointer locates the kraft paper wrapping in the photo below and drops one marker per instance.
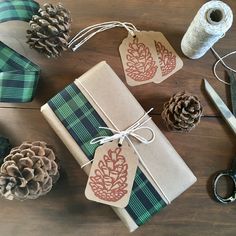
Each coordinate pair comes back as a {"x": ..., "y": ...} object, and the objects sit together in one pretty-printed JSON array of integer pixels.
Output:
[{"x": 114, "y": 99}]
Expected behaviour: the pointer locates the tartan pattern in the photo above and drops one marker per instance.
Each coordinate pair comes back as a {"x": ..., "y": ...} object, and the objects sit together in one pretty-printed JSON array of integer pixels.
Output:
[
  {"x": 17, "y": 10},
  {"x": 18, "y": 75},
  {"x": 4, "y": 148},
  {"x": 83, "y": 122}
]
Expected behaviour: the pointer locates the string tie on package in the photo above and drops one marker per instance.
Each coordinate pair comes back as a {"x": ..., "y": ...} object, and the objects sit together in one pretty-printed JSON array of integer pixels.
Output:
[
  {"x": 121, "y": 135},
  {"x": 126, "y": 134}
]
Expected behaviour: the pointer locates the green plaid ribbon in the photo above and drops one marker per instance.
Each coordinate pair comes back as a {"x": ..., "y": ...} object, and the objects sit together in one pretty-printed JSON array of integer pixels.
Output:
[
  {"x": 82, "y": 122},
  {"x": 18, "y": 75},
  {"x": 4, "y": 148}
]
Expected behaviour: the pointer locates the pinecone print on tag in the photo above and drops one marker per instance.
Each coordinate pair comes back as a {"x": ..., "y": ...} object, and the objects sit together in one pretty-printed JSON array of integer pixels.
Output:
[
  {"x": 140, "y": 66},
  {"x": 110, "y": 180},
  {"x": 167, "y": 59}
]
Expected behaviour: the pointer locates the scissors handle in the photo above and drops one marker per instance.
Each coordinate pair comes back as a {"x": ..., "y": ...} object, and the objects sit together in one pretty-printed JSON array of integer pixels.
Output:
[{"x": 231, "y": 174}]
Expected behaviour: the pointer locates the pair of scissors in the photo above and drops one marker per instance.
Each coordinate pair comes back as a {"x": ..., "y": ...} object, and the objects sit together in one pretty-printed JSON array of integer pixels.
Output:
[{"x": 231, "y": 121}]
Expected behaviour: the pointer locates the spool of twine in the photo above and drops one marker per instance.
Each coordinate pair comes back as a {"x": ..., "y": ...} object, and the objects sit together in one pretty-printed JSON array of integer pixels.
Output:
[{"x": 210, "y": 24}]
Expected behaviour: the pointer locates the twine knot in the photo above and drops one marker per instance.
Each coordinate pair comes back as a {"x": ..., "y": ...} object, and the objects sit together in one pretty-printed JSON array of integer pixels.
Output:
[{"x": 129, "y": 132}]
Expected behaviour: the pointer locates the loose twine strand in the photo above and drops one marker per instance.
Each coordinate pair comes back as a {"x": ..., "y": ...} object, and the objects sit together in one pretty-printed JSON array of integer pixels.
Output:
[
  {"x": 220, "y": 60},
  {"x": 84, "y": 35}
]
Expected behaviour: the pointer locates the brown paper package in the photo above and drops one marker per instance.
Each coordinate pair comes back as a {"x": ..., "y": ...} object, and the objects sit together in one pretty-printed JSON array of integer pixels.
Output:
[{"x": 109, "y": 93}]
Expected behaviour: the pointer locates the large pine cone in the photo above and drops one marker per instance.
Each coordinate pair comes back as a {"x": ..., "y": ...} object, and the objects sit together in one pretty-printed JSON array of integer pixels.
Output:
[
  {"x": 182, "y": 112},
  {"x": 49, "y": 33},
  {"x": 29, "y": 171}
]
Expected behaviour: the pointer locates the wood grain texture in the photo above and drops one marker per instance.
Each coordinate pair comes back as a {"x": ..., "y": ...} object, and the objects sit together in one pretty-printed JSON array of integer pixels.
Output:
[{"x": 207, "y": 149}]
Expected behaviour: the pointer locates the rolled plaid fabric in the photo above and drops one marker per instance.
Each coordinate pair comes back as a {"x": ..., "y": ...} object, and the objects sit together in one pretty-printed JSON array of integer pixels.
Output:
[{"x": 18, "y": 75}]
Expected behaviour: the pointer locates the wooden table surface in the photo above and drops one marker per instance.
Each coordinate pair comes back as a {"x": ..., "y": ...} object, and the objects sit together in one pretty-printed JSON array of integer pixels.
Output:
[{"x": 207, "y": 149}]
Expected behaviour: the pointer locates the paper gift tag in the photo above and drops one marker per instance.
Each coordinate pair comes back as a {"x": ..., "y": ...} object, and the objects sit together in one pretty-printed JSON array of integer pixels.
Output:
[
  {"x": 148, "y": 57},
  {"x": 112, "y": 174},
  {"x": 169, "y": 60},
  {"x": 139, "y": 59}
]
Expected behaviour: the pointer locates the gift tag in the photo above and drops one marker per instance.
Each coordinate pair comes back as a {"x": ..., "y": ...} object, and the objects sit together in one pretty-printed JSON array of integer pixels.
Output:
[
  {"x": 139, "y": 59},
  {"x": 112, "y": 174},
  {"x": 148, "y": 57},
  {"x": 169, "y": 60}
]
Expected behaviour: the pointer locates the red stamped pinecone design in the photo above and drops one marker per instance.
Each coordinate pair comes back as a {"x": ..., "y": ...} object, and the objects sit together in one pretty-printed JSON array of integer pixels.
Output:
[
  {"x": 140, "y": 65},
  {"x": 110, "y": 180},
  {"x": 167, "y": 59}
]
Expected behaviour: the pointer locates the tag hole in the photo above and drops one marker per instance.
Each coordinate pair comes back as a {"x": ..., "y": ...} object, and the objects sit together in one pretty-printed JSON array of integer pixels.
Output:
[
  {"x": 134, "y": 36},
  {"x": 119, "y": 145}
]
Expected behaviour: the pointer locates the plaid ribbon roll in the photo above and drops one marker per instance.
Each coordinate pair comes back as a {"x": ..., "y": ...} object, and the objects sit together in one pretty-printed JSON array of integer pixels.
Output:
[
  {"x": 18, "y": 75},
  {"x": 82, "y": 122}
]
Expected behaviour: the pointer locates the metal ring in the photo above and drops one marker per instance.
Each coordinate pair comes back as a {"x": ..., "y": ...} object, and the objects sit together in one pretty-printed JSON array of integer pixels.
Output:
[{"x": 230, "y": 199}]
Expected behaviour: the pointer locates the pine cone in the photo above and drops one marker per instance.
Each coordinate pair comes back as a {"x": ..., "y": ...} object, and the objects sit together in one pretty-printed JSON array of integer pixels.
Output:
[
  {"x": 29, "y": 171},
  {"x": 49, "y": 33},
  {"x": 182, "y": 112}
]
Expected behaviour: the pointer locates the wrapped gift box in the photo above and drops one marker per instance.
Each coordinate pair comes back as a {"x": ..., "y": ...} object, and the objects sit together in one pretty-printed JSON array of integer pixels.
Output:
[{"x": 97, "y": 98}]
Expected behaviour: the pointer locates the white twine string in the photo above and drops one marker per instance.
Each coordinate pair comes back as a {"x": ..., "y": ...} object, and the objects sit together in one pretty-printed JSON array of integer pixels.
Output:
[
  {"x": 220, "y": 60},
  {"x": 84, "y": 35},
  {"x": 121, "y": 135}
]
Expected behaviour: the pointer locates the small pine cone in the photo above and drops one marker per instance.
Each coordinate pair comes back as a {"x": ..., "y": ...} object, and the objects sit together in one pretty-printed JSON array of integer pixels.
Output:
[
  {"x": 182, "y": 112},
  {"x": 29, "y": 171},
  {"x": 49, "y": 30}
]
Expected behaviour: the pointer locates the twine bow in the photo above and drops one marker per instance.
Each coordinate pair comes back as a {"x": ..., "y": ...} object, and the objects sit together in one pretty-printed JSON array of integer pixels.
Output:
[
  {"x": 121, "y": 135},
  {"x": 130, "y": 131}
]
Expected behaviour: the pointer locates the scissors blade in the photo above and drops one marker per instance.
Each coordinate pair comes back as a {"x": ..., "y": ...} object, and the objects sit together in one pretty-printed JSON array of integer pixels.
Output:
[
  {"x": 224, "y": 110},
  {"x": 232, "y": 80}
]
